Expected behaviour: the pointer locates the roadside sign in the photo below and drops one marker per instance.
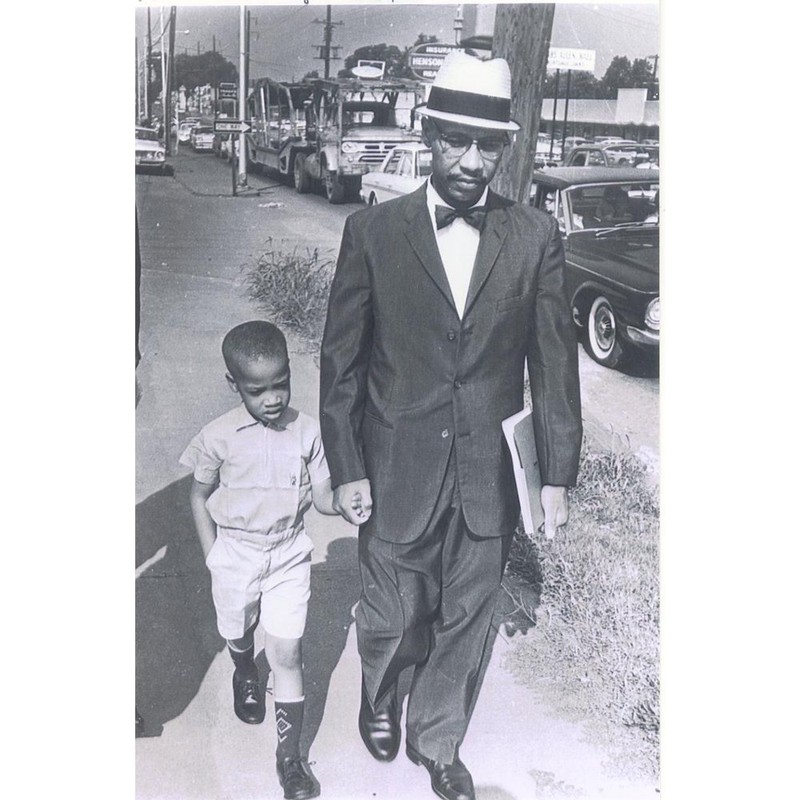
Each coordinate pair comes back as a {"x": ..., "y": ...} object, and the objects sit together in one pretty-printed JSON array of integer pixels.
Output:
[
  {"x": 424, "y": 60},
  {"x": 571, "y": 58},
  {"x": 230, "y": 126},
  {"x": 374, "y": 69},
  {"x": 227, "y": 91}
]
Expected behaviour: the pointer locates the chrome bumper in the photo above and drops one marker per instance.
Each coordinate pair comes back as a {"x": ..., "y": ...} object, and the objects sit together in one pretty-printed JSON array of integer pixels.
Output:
[{"x": 645, "y": 337}]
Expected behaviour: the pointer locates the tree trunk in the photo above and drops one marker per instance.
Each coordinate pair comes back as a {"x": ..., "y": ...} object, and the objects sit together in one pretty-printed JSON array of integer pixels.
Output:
[{"x": 522, "y": 37}]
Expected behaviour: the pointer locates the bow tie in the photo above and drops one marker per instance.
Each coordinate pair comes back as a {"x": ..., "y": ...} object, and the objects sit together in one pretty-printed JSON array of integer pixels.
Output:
[{"x": 474, "y": 216}]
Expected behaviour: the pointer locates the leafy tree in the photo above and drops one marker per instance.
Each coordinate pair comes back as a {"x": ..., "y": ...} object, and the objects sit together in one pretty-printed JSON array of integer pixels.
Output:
[
  {"x": 207, "y": 68},
  {"x": 582, "y": 84},
  {"x": 310, "y": 76},
  {"x": 424, "y": 38},
  {"x": 390, "y": 54}
]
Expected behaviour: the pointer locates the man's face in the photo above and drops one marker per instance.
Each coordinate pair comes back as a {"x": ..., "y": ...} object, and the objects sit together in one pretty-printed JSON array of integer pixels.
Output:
[
  {"x": 462, "y": 171},
  {"x": 264, "y": 386}
]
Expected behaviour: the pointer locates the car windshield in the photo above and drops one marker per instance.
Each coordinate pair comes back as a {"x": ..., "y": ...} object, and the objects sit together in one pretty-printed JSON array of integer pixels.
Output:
[
  {"x": 203, "y": 130},
  {"x": 613, "y": 205},
  {"x": 146, "y": 134}
]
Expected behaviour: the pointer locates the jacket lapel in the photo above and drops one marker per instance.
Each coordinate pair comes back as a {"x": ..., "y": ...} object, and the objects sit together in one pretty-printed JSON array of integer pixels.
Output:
[
  {"x": 492, "y": 238},
  {"x": 419, "y": 232}
]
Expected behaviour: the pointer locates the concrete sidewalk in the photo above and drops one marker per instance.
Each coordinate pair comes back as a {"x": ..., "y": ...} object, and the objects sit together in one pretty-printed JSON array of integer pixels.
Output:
[{"x": 194, "y": 748}]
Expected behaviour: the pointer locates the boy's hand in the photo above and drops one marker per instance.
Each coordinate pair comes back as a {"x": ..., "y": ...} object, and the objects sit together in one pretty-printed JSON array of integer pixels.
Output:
[
  {"x": 555, "y": 507},
  {"x": 354, "y": 501}
]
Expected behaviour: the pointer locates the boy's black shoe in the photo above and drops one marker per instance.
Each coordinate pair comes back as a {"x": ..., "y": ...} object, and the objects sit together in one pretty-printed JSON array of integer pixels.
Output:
[
  {"x": 297, "y": 779},
  {"x": 248, "y": 702}
]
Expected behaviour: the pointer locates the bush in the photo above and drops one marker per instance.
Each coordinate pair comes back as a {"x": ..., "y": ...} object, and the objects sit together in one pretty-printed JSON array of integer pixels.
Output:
[
  {"x": 293, "y": 289},
  {"x": 593, "y": 594}
]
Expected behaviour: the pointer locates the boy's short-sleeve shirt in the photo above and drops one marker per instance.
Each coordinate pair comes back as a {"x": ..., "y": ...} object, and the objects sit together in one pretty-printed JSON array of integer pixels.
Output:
[{"x": 264, "y": 473}]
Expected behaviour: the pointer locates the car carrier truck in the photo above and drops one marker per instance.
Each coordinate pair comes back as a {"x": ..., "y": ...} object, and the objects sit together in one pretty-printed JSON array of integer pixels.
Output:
[{"x": 329, "y": 132}]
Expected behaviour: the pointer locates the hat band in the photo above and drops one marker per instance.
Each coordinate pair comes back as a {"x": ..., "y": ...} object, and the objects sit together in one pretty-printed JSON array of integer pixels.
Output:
[{"x": 452, "y": 101}]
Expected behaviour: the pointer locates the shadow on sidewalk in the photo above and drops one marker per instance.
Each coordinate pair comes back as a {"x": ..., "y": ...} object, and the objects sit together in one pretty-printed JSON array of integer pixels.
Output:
[
  {"x": 335, "y": 588},
  {"x": 176, "y": 630}
]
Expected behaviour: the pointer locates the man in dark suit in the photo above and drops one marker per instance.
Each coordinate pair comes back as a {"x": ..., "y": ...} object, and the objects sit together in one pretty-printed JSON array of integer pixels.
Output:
[{"x": 434, "y": 311}]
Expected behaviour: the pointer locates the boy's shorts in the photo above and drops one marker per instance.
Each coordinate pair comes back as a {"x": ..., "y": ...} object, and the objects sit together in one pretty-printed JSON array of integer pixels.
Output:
[{"x": 252, "y": 578}]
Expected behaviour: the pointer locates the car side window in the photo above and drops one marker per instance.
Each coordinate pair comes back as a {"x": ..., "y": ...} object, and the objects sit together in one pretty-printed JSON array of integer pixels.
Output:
[
  {"x": 596, "y": 159},
  {"x": 579, "y": 160},
  {"x": 404, "y": 167},
  {"x": 391, "y": 167}
]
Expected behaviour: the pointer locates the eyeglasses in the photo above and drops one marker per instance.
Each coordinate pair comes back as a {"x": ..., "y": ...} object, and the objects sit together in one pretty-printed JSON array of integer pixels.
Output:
[{"x": 457, "y": 144}]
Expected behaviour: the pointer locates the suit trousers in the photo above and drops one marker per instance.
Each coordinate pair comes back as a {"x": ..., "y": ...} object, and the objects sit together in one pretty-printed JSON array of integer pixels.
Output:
[{"x": 429, "y": 604}]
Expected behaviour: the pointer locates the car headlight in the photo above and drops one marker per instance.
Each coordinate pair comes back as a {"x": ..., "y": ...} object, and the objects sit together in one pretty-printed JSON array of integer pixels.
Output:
[
  {"x": 349, "y": 147},
  {"x": 159, "y": 155},
  {"x": 652, "y": 316}
]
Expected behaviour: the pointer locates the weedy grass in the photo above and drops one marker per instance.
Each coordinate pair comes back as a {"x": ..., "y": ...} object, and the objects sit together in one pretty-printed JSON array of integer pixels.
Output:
[
  {"x": 292, "y": 288},
  {"x": 592, "y": 595},
  {"x": 589, "y": 596}
]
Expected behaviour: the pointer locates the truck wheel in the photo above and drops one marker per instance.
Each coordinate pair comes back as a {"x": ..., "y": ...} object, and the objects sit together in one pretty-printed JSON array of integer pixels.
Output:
[
  {"x": 601, "y": 338},
  {"x": 301, "y": 180},
  {"x": 334, "y": 188},
  {"x": 352, "y": 187}
]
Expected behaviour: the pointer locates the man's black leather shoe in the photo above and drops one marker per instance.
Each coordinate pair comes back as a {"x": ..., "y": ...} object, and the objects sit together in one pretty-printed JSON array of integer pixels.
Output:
[
  {"x": 248, "y": 702},
  {"x": 297, "y": 779},
  {"x": 449, "y": 781},
  {"x": 380, "y": 729}
]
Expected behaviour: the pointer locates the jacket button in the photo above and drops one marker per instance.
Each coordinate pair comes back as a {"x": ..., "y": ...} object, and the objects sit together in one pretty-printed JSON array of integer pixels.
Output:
[
  {"x": 451, "y": 335},
  {"x": 445, "y": 433}
]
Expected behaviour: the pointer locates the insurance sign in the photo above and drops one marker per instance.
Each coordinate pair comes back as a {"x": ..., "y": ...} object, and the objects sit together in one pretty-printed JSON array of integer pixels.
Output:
[{"x": 424, "y": 60}]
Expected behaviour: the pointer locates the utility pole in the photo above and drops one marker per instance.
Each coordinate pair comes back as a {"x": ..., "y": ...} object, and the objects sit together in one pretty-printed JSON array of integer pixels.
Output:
[
  {"x": 522, "y": 37},
  {"x": 242, "y": 181},
  {"x": 326, "y": 48},
  {"x": 149, "y": 67},
  {"x": 168, "y": 112}
]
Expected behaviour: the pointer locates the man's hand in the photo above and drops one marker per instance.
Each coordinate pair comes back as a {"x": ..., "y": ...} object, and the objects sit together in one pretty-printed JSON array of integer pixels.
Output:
[
  {"x": 354, "y": 501},
  {"x": 556, "y": 509}
]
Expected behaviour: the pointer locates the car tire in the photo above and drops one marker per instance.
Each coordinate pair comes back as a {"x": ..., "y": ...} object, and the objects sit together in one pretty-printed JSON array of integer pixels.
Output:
[
  {"x": 302, "y": 182},
  {"x": 334, "y": 188},
  {"x": 601, "y": 337}
]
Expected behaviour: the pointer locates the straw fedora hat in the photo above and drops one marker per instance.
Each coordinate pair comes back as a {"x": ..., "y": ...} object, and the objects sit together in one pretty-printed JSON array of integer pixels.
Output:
[{"x": 472, "y": 92}]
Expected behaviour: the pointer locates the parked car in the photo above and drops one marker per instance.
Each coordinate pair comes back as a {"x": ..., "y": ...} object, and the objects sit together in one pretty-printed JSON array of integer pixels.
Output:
[
  {"x": 222, "y": 145},
  {"x": 608, "y": 218},
  {"x": 573, "y": 141},
  {"x": 185, "y": 129},
  {"x": 611, "y": 154},
  {"x": 150, "y": 151},
  {"x": 548, "y": 152},
  {"x": 403, "y": 170},
  {"x": 202, "y": 138}
]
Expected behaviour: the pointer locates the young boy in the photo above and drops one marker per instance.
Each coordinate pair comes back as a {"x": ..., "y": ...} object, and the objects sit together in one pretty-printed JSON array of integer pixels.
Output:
[{"x": 257, "y": 469}]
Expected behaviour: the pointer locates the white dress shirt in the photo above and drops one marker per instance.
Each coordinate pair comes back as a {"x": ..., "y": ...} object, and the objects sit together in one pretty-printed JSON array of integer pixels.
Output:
[{"x": 458, "y": 246}]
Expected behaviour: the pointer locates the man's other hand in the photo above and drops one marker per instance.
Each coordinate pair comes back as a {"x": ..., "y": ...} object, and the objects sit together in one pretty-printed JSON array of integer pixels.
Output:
[
  {"x": 354, "y": 501},
  {"x": 556, "y": 509}
]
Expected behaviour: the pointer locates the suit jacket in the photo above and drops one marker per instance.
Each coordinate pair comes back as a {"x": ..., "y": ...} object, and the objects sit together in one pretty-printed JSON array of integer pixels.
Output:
[{"x": 404, "y": 380}]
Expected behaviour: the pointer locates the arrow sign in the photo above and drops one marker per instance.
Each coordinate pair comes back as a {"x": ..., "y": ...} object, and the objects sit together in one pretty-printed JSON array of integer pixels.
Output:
[{"x": 230, "y": 126}]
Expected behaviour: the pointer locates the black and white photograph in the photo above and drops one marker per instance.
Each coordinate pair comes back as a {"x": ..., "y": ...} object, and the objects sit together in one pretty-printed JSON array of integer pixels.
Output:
[{"x": 419, "y": 242}]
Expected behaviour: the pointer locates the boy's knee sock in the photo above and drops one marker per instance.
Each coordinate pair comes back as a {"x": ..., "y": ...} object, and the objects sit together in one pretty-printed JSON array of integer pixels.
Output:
[
  {"x": 243, "y": 659},
  {"x": 289, "y": 723}
]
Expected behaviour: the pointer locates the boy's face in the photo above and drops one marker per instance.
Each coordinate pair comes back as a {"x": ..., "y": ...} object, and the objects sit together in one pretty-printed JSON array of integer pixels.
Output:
[{"x": 264, "y": 385}]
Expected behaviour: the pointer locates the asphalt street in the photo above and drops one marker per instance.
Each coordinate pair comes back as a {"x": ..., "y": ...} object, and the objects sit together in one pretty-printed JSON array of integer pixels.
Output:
[{"x": 195, "y": 239}]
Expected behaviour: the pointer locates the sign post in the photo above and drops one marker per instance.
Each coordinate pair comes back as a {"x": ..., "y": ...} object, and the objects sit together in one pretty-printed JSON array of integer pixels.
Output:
[{"x": 568, "y": 58}]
